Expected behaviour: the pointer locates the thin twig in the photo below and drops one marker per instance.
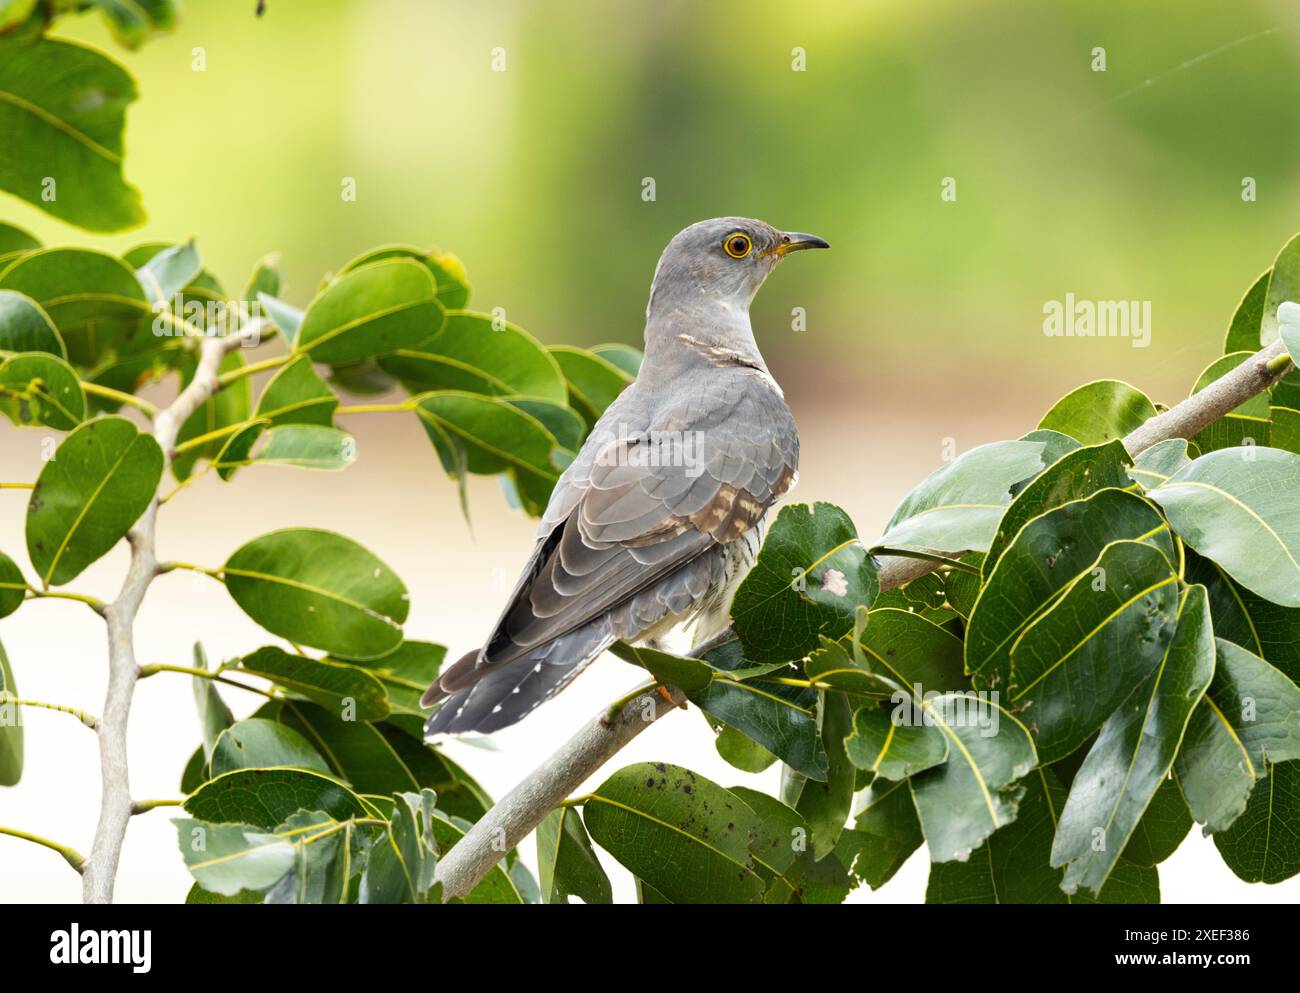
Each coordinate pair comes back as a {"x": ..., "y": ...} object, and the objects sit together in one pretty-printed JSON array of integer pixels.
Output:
[
  {"x": 87, "y": 719},
  {"x": 115, "y": 798}
]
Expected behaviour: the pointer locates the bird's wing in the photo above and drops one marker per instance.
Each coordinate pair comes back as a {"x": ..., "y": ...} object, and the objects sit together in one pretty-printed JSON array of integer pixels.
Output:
[{"x": 622, "y": 518}]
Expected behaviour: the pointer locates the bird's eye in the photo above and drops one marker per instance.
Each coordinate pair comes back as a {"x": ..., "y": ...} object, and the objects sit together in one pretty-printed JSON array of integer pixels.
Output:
[{"x": 737, "y": 245}]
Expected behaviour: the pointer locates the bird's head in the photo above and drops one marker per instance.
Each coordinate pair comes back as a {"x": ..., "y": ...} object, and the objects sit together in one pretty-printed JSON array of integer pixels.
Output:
[{"x": 723, "y": 260}]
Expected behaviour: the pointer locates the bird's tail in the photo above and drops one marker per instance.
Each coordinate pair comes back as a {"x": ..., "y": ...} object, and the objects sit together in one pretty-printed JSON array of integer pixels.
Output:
[{"x": 487, "y": 698}]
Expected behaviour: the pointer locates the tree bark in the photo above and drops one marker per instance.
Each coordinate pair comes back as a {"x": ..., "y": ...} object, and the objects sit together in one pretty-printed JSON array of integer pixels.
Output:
[{"x": 519, "y": 811}]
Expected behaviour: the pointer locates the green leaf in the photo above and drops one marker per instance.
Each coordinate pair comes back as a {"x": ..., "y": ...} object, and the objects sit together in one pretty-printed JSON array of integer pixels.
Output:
[
  {"x": 264, "y": 798},
  {"x": 741, "y": 751},
  {"x": 198, "y": 895},
  {"x": 297, "y": 395},
  {"x": 14, "y": 241},
  {"x": 1283, "y": 286},
  {"x": 890, "y": 749},
  {"x": 473, "y": 353},
  {"x": 169, "y": 271},
  {"x": 1243, "y": 330},
  {"x": 1157, "y": 463},
  {"x": 379, "y": 759},
  {"x": 25, "y": 327},
  {"x": 62, "y": 109},
  {"x": 1285, "y": 430},
  {"x": 93, "y": 299},
  {"x": 957, "y": 508},
  {"x": 11, "y": 727},
  {"x": 402, "y": 859},
  {"x": 1263, "y": 844},
  {"x": 1237, "y": 506},
  {"x": 825, "y": 805},
  {"x": 1050, "y": 553},
  {"x": 300, "y": 446},
  {"x": 318, "y": 588},
  {"x": 101, "y": 479},
  {"x": 214, "y": 715},
  {"x": 1134, "y": 752},
  {"x": 284, "y": 316},
  {"x": 625, "y": 357},
  {"x": 782, "y": 719},
  {"x": 133, "y": 22},
  {"x": 229, "y": 858},
  {"x": 688, "y": 674},
  {"x": 486, "y": 435},
  {"x": 963, "y": 801},
  {"x": 1073, "y": 666},
  {"x": 41, "y": 389},
  {"x": 371, "y": 311},
  {"x": 257, "y": 743},
  {"x": 325, "y": 855},
  {"x": 811, "y": 574},
  {"x": 1163, "y": 827},
  {"x": 1012, "y": 866},
  {"x": 885, "y": 833},
  {"x": 235, "y": 452},
  {"x": 448, "y": 271},
  {"x": 13, "y": 587},
  {"x": 265, "y": 278},
  {"x": 594, "y": 382},
  {"x": 1098, "y": 412},
  {"x": 1256, "y": 624},
  {"x": 566, "y": 864},
  {"x": 1075, "y": 475},
  {"x": 685, "y": 836},
  {"x": 344, "y": 689},
  {"x": 406, "y": 672},
  {"x": 911, "y": 650},
  {"x": 1250, "y": 716}
]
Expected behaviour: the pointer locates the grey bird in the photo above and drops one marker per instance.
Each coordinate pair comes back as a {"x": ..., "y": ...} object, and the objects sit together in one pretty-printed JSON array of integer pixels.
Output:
[{"x": 656, "y": 521}]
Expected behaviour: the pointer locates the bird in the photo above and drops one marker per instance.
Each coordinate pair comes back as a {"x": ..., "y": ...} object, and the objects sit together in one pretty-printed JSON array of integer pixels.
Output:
[{"x": 654, "y": 524}]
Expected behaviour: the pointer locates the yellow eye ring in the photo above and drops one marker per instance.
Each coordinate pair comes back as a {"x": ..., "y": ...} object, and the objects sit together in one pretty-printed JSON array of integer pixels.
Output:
[{"x": 737, "y": 245}]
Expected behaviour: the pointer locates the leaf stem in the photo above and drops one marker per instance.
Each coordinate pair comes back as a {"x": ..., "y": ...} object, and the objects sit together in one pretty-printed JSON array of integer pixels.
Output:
[
  {"x": 94, "y": 603},
  {"x": 166, "y": 567},
  {"x": 377, "y": 408},
  {"x": 130, "y": 399},
  {"x": 916, "y": 553},
  {"x": 70, "y": 855},
  {"x": 144, "y": 806},
  {"x": 616, "y": 708},
  {"x": 152, "y": 670},
  {"x": 1279, "y": 362},
  {"x": 226, "y": 378},
  {"x": 17, "y": 486},
  {"x": 200, "y": 440},
  {"x": 576, "y": 801},
  {"x": 87, "y": 719}
]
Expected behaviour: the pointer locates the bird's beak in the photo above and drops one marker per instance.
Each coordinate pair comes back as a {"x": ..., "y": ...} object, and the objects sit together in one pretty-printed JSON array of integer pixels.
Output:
[{"x": 796, "y": 241}]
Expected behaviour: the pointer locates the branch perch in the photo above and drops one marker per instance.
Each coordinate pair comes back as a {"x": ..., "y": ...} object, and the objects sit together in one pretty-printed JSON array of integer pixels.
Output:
[
  {"x": 522, "y": 809},
  {"x": 99, "y": 871}
]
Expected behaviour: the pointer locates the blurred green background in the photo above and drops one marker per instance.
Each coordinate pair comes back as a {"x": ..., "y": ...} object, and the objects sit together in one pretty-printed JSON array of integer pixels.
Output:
[{"x": 1068, "y": 180}]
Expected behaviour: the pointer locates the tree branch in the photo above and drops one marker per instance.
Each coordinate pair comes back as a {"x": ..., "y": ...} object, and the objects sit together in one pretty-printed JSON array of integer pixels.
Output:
[
  {"x": 100, "y": 869},
  {"x": 522, "y": 809}
]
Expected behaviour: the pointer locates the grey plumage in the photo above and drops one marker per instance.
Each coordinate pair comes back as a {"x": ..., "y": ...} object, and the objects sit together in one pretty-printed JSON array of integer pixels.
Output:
[{"x": 657, "y": 518}]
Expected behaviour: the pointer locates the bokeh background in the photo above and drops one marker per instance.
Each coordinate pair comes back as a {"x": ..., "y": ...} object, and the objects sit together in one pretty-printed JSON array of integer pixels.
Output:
[{"x": 924, "y": 323}]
